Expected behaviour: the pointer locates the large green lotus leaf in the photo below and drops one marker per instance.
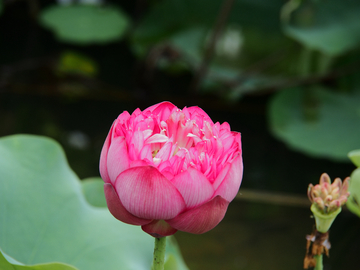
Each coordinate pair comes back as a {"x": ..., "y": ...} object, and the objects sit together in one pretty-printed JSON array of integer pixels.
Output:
[
  {"x": 85, "y": 23},
  {"x": 330, "y": 26},
  {"x": 318, "y": 122},
  {"x": 353, "y": 202},
  {"x": 44, "y": 216},
  {"x": 93, "y": 189},
  {"x": 8, "y": 263}
]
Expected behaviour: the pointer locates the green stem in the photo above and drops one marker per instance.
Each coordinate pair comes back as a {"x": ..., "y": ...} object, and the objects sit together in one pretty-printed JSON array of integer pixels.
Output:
[
  {"x": 319, "y": 262},
  {"x": 159, "y": 254}
]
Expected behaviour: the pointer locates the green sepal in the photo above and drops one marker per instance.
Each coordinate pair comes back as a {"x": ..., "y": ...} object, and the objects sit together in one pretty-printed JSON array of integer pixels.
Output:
[{"x": 323, "y": 221}]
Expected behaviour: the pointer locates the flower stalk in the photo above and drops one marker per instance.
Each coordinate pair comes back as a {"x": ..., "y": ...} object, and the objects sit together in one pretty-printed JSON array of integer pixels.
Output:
[
  {"x": 327, "y": 199},
  {"x": 319, "y": 262},
  {"x": 317, "y": 244},
  {"x": 159, "y": 254}
]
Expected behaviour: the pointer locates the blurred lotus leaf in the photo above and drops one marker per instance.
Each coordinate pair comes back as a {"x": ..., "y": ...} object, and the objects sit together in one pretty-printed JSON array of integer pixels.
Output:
[
  {"x": 93, "y": 189},
  {"x": 84, "y": 24},
  {"x": 8, "y": 263},
  {"x": 317, "y": 121},
  {"x": 330, "y": 26},
  {"x": 46, "y": 218}
]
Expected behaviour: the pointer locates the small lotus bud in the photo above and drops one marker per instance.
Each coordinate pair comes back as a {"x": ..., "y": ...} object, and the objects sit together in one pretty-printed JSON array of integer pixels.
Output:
[
  {"x": 326, "y": 196},
  {"x": 327, "y": 200}
]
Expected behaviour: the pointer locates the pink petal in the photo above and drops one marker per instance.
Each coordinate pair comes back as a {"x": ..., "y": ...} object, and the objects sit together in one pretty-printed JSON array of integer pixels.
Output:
[
  {"x": 123, "y": 117},
  {"x": 168, "y": 174},
  {"x": 138, "y": 142},
  {"x": 194, "y": 137},
  {"x": 225, "y": 126},
  {"x": 198, "y": 111},
  {"x": 202, "y": 218},
  {"x": 158, "y": 228},
  {"x": 136, "y": 112},
  {"x": 163, "y": 109},
  {"x": 103, "y": 157},
  {"x": 157, "y": 138},
  {"x": 146, "y": 193},
  {"x": 117, "y": 159},
  {"x": 227, "y": 143},
  {"x": 194, "y": 187},
  {"x": 147, "y": 133},
  {"x": 161, "y": 106},
  {"x": 146, "y": 152},
  {"x": 166, "y": 169},
  {"x": 177, "y": 163},
  {"x": 165, "y": 152},
  {"x": 237, "y": 136},
  {"x": 131, "y": 151},
  {"x": 118, "y": 210},
  {"x": 138, "y": 163},
  {"x": 165, "y": 165},
  {"x": 230, "y": 184},
  {"x": 221, "y": 176}
]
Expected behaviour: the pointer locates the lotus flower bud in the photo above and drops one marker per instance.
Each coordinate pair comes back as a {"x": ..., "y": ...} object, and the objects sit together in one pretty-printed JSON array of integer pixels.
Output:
[
  {"x": 327, "y": 200},
  {"x": 329, "y": 197}
]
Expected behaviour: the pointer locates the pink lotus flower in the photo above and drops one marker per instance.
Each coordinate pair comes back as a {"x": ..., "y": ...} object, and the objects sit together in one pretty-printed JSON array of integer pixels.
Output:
[{"x": 168, "y": 169}]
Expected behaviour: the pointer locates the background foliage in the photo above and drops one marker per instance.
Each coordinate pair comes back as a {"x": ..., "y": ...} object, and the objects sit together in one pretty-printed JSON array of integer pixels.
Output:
[
  {"x": 284, "y": 73},
  {"x": 227, "y": 48}
]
